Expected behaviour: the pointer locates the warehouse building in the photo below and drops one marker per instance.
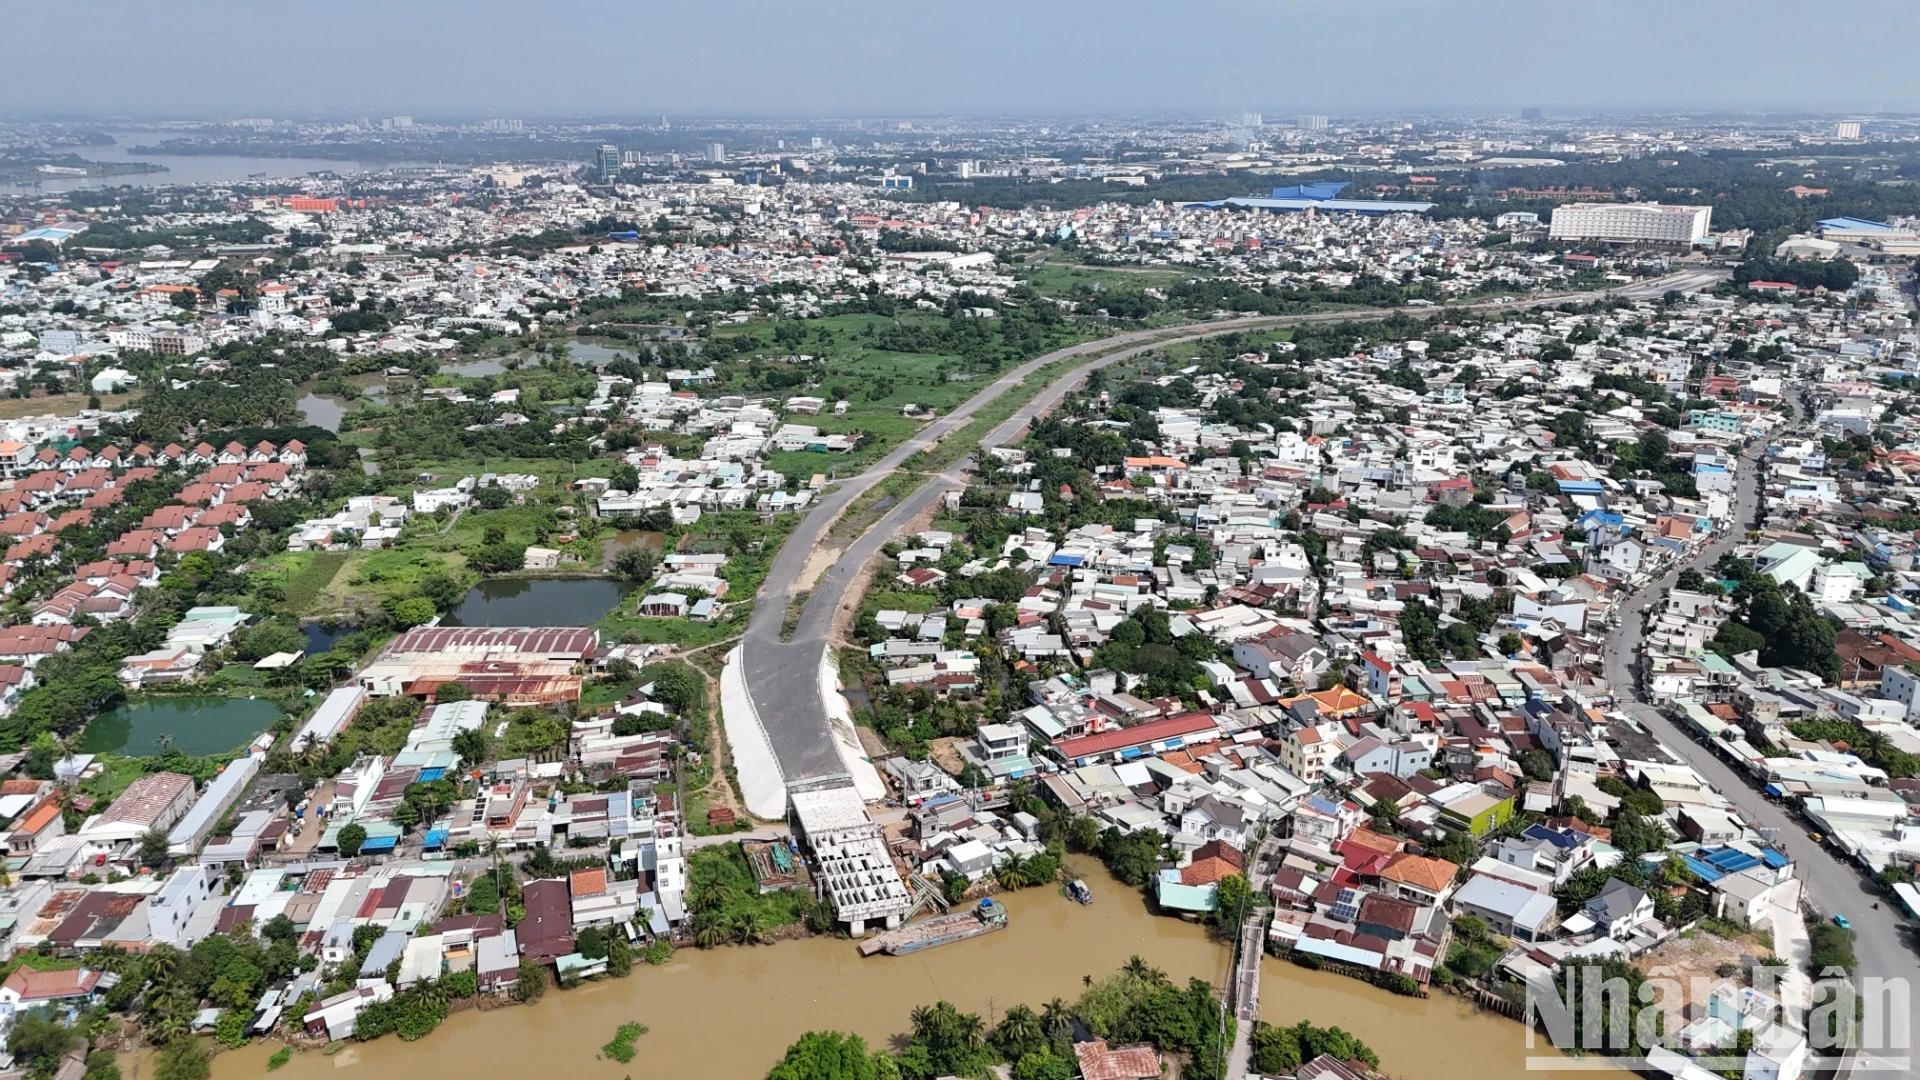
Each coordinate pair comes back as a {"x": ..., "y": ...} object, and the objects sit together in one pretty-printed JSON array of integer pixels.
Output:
[{"x": 511, "y": 665}]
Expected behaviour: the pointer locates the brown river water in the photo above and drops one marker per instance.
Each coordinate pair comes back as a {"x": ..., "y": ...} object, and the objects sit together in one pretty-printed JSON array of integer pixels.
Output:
[{"x": 730, "y": 1012}]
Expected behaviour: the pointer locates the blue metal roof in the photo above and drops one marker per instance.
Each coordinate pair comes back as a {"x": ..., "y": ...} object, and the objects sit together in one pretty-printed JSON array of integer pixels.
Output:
[
  {"x": 1856, "y": 224},
  {"x": 1331, "y": 206},
  {"x": 1066, "y": 560},
  {"x": 1580, "y": 487},
  {"x": 1320, "y": 192}
]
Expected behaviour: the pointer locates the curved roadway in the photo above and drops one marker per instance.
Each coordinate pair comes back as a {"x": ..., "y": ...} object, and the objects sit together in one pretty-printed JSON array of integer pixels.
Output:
[{"x": 783, "y": 677}]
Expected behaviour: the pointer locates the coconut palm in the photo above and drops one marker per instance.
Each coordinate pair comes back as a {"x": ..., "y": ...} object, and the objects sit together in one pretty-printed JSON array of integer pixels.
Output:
[
  {"x": 1015, "y": 873},
  {"x": 168, "y": 1024},
  {"x": 1019, "y": 1030},
  {"x": 708, "y": 929},
  {"x": 1137, "y": 968},
  {"x": 751, "y": 927},
  {"x": 162, "y": 962},
  {"x": 1055, "y": 1019}
]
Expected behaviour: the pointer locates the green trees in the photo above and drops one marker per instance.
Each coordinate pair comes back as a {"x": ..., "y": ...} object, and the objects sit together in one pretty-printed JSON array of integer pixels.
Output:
[
  {"x": 1233, "y": 902},
  {"x": 1132, "y": 857},
  {"x": 413, "y": 611},
  {"x": 182, "y": 1059},
  {"x": 1138, "y": 1003},
  {"x": 677, "y": 685},
  {"x": 411, "y": 1014},
  {"x": 1281, "y": 1050},
  {"x": 1870, "y": 746},
  {"x": 1781, "y": 623},
  {"x": 944, "y": 1042},
  {"x": 351, "y": 837},
  {"x": 635, "y": 563},
  {"x": 833, "y": 1055},
  {"x": 1832, "y": 946},
  {"x": 153, "y": 847},
  {"x": 40, "y": 1041},
  {"x": 1833, "y": 274}
]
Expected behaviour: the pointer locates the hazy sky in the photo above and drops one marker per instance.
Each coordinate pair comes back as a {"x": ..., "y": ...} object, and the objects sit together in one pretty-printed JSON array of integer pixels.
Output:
[{"x": 905, "y": 57}]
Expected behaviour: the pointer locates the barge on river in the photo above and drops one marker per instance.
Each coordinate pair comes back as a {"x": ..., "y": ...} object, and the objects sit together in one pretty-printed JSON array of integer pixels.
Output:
[{"x": 989, "y": 915}]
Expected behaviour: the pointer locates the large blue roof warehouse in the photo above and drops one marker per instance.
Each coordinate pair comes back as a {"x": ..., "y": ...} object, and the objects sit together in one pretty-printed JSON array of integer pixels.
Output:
[{"x": 1322, "y": 198}]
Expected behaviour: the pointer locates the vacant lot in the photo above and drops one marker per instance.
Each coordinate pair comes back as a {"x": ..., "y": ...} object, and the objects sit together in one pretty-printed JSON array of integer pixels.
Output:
[{"x": 58, "y": 404}]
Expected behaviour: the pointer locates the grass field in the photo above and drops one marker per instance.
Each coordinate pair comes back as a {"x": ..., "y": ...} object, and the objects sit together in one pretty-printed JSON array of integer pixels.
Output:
[
  {"x": 58, "y": 404},
  {"x": 1058, "y": 279},
  {"x": 306, "y": 583}
]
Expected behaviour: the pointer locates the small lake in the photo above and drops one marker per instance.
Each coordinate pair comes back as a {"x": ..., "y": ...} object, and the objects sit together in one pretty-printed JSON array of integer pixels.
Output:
[
  {"x": 192, "y": 725},
  {"x": 538, "y": 602},
  {"x": 584, "y": 353},
  {"x": 320, "y": 639},
  {"x": 329, "y": 411}
]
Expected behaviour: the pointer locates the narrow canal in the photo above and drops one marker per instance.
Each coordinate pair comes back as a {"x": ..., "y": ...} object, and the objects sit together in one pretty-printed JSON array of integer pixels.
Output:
[{"x": 730, "y": 1012}]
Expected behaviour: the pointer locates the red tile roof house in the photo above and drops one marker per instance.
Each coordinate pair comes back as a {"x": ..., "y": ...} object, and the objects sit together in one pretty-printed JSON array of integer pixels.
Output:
[
  {"x": 27, "y": 644},
  {"x": 33, "y": 547},
  {"x": 1125, "y": 1063},
  {"x": 27, "y": 988},
  {"x": 36, "y": 827},
  {"x": 197, "y": 539}
]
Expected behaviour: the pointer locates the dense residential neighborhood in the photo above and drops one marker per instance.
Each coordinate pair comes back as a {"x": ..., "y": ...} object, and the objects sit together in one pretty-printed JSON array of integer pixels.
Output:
[{"x": 1418, "y": 586}]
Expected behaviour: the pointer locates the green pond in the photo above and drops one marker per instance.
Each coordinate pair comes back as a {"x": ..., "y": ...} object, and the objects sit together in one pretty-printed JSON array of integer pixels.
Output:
[{"x": 192, "y": 725}]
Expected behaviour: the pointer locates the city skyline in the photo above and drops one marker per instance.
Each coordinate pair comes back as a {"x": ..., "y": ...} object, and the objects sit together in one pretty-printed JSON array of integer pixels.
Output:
[{"x": 843, "y": 58}]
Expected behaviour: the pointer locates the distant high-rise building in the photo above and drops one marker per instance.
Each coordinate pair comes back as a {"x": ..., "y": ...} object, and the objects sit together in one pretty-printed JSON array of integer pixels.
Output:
[
  {"x": 717, "y": 152},
  {"x": 1250, "y": 120},
  {"x": 502, "y": 124},
  {"x": 1312, "y": 122},
  {"x": 609, "y": 161},
  {"x": 817, "y": 143},
  {"x": 1531, "y": 114},
  {"x": 1847, "y": 129},
  {"x": 1628, "y": 223},
  {"x": 402, "y": 123}
]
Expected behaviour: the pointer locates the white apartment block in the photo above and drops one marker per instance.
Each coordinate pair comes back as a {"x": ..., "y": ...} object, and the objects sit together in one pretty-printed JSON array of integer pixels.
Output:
[
  {"x": 1631, "y": 223},
  {"x": 1900, "y": 685}
]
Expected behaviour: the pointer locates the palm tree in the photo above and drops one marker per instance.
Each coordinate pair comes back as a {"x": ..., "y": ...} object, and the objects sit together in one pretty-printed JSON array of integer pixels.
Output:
[
  {"x": 162, "y": 962},
  {"x": 968, "y": 1029},
  {"x": 168, "y": 1024},
  {"x": 751, "y": 927},
  {"x": 492, "y": 847},
  {"x": 1015, "y": 873},
  {"x": 1019, "y": 1029},
  {"x": 1137, "y": 968},
  {"x": 931, "y": 1024},
  {"x": 1055, "y": 1020},
  {"x": 708, "y": 929}
]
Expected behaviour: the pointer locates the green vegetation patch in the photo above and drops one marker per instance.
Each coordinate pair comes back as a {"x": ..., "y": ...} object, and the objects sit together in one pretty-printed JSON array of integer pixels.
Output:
[{"x": 621, "y": 1048}]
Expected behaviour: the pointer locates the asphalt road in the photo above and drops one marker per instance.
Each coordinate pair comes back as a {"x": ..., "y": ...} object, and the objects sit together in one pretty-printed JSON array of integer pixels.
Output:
[
  {"x": 1886, "y": 945},
  {"x": 783, "y": 677}
]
